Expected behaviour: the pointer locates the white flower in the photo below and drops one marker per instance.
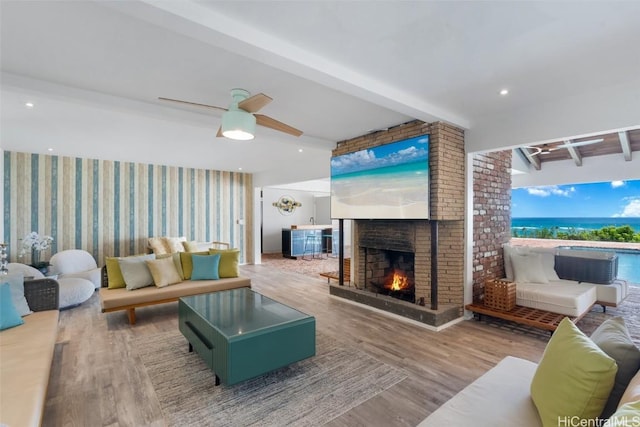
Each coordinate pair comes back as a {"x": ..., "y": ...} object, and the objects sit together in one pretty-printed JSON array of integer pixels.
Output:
[{"x": 33, "y": 241}]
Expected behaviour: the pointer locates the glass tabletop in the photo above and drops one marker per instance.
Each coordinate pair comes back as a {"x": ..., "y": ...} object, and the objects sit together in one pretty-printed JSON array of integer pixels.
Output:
[{"x": 241, "y": 311}]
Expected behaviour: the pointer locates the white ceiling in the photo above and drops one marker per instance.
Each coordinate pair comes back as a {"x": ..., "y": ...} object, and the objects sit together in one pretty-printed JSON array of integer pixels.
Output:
[{"x": 335, "y": 69}]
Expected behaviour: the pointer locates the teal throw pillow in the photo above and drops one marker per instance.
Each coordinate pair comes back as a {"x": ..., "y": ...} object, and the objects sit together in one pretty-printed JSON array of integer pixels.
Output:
[
  {"x": 9, "y": 316},
  {"x": 205, "y": 267}
]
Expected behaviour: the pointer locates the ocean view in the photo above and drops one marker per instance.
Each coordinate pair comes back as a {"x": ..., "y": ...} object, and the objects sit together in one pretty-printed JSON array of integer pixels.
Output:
[
  {"x": 629, "y": 260},
  {"x": 563, "y": 224}
]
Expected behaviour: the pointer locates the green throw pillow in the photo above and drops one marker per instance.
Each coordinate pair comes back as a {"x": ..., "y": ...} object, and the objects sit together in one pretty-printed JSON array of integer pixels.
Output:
[
  {"x": 614, "y": 339},
  {"x": 229, "y": 262},
  {"x": 574, "y": 378},
  {"x": 205, "y": 267},
  {"x": 187, "y": 264},
  {"x": 114, "y": 274}
]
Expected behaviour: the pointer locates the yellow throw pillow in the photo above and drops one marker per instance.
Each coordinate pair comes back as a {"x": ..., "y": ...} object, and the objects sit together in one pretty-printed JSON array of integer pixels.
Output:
[
  {"x": 574, "y": 378},
  {"x": 187, "y": 263},
  {"x": 164, "y": 272},
  {"x": 114, "y": 275},
  {"x": 229, "y": 262}
]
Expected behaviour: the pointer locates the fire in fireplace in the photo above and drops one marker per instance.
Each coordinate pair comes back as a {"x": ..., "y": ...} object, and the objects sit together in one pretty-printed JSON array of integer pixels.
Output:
[{"x": 391, "y": 273}]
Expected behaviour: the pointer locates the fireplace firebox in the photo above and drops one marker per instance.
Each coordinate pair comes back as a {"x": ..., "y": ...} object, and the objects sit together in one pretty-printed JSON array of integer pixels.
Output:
[{"x": 389, "y": 272}]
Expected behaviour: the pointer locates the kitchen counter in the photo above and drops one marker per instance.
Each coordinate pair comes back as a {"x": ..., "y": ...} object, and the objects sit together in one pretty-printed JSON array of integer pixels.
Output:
[{"x": 311, "y": 227}]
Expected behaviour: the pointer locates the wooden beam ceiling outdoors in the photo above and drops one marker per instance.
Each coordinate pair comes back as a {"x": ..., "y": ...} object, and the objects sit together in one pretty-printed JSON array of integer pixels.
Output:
[{"x": 623, "y": 143}]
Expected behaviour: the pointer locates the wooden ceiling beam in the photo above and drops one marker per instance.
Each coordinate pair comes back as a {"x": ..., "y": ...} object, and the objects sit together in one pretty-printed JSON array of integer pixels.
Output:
[
  {"x": 624, "y": 143},
  {"x": 573, "y": 152},
  {"x": 533, "y": 160}
]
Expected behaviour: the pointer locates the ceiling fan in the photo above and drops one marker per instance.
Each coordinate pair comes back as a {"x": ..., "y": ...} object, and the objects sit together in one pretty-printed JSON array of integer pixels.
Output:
[
  {"x": 546, "y": 148},
  {"x": 239, "y": 120}
]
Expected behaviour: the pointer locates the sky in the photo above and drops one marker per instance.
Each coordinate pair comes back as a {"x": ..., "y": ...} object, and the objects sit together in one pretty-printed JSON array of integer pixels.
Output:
[
  {"x": 405, "y": 151},
  {"x": 598, "y": 200}
]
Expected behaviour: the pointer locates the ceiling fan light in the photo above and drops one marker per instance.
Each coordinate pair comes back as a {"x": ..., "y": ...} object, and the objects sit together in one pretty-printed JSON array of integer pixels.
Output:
[{"x": 238, "y": 125}]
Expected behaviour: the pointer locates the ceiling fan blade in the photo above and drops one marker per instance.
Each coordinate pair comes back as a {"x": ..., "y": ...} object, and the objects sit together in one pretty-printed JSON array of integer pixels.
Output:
[
  {"x": 255, "y": 103},
  {"x": 192, "y": 103},
  {"x": 533, "y": 150},
  {"x": 267, "y": 121},
  {"x": 219, "y": 134}
]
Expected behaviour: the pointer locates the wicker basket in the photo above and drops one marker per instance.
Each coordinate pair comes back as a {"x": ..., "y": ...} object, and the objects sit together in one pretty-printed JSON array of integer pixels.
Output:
[{"x": 500, "y": 294}]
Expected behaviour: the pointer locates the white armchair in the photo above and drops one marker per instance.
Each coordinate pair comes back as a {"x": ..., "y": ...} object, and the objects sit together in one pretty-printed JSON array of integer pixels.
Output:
[
  {"x": 73, "y": 290},
  {"x": 76, "y": 263}
]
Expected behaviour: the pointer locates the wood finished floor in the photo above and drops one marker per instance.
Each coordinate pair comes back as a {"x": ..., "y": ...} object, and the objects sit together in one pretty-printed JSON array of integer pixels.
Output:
[{"x": 97, "y": 379}]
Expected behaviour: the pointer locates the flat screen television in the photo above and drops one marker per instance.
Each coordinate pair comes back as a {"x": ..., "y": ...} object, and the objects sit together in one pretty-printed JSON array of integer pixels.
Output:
[{"x": 386, "y": 182}]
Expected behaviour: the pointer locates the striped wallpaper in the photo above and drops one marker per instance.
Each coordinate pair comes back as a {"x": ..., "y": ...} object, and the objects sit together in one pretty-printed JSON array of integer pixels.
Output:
[{"x": 110, "y": 208}]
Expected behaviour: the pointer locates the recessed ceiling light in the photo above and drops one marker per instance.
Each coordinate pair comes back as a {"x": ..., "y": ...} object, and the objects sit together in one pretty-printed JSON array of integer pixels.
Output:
[
  {"x": 29, "y": 104},
  {"x": 504, "y": 92},
  {"x": 299, "y": 150},
  {"x": 239, "y": 169},
  {"x": 49, "y": 149}
]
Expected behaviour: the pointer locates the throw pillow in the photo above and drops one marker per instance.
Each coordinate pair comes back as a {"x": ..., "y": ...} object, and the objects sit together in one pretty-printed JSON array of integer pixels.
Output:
[
  {"x": 205, "y": 267},
  {"x": 114, "y": 275},
  {"x": 174, "y": 244},
  {"x": 194, "y": 246},
  {"x": 574, "y": 377},
  {"x": 613, "y": 338},
  {"x": 156, "y": 244},
  {"x": 628, "y": 415},
  {"x": 632, "y": 393},
  {"x": 135, "y": 271},
  {"x": 528, "y": 269},
  {"x": 548, "y": 261},
  {"x": 229, "y": 262},
  {"x": 187, "y": 265},
  {"x": 176, "y": 262},
  {"x": 16, "y": 285},
  {"x": 163, "y": 271},
  {"x": 9, "y": 316},
  {"x": 508, "y": 251}
]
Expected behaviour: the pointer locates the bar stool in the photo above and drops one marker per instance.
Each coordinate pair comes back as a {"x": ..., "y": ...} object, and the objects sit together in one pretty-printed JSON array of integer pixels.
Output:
[{"x": 311, "y": 246}]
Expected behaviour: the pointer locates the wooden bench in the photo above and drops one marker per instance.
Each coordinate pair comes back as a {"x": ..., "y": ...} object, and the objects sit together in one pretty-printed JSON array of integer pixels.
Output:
[
  {"x": 336, "y": 274},
  {"x": 524, "y": 315}
]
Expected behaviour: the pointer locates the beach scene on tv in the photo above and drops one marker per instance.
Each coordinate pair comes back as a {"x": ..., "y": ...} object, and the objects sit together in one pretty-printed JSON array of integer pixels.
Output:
[{"x": 385, "y": 182}]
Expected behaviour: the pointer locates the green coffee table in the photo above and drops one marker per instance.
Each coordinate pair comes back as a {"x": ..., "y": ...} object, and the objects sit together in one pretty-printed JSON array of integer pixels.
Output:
[{"x": 241, "y": 334}]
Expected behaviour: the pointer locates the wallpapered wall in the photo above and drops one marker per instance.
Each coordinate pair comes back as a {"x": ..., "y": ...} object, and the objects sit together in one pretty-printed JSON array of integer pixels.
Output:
[{"x": 110, "y": 207}]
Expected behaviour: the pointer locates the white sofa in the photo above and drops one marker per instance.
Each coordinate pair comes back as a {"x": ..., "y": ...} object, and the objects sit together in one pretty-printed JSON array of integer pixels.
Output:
[
  {"x": 500, "y": 397},
  {"x": 581, "y": 378},
  {"x": 539, "y": 286},
  {"x": 73, "y": 290}
]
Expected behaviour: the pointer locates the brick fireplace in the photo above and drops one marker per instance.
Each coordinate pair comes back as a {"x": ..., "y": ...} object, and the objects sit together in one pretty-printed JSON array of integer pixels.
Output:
[{"x": 381, "y": 247}]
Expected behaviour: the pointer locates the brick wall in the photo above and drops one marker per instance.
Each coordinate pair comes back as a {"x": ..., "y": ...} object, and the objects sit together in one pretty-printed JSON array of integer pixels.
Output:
[
  {"x": 447, "y": 205},
  {"x": 491, "y": 216}
]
